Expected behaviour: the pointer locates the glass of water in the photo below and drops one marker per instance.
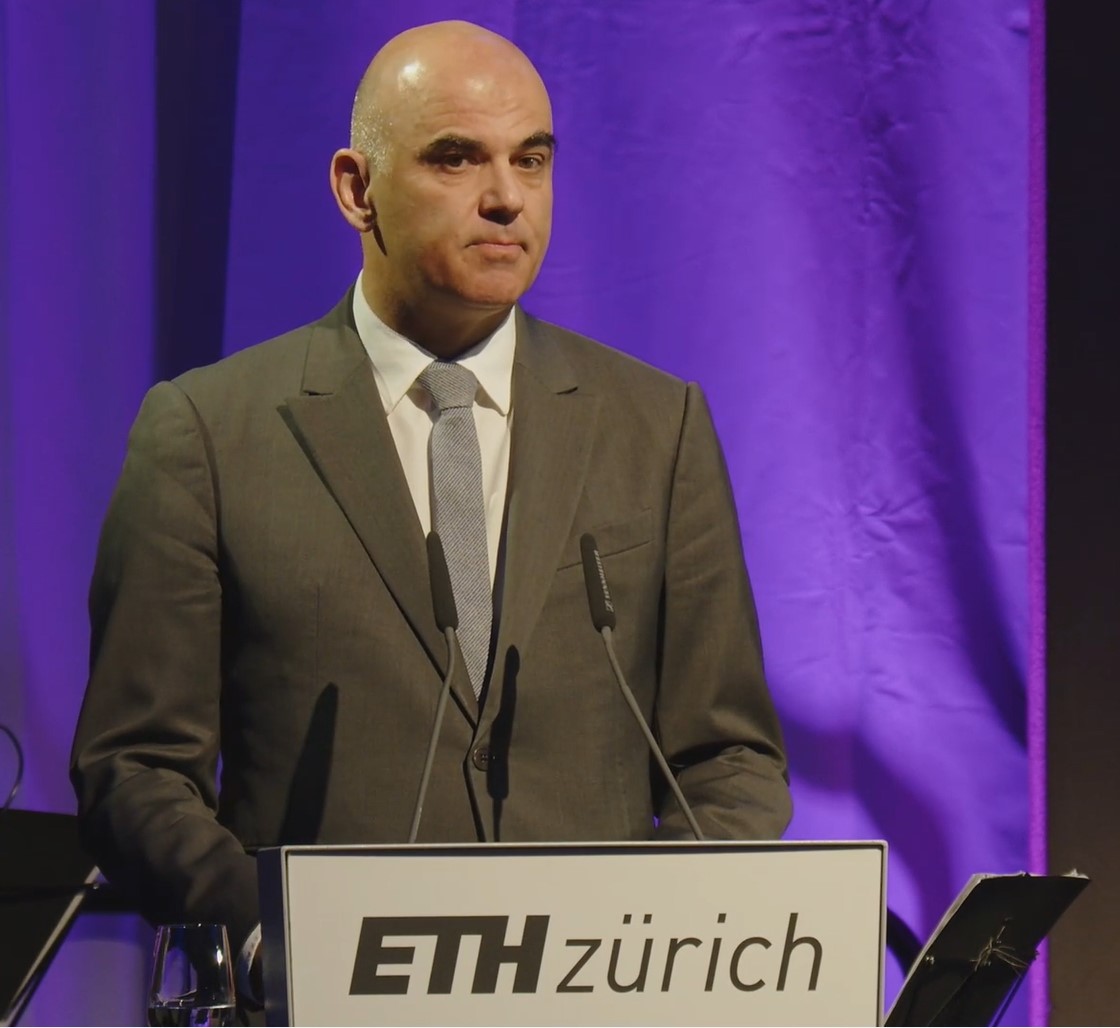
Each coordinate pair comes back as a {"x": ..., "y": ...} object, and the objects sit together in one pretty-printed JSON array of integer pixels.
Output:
[{"x": 192, "y": 981}]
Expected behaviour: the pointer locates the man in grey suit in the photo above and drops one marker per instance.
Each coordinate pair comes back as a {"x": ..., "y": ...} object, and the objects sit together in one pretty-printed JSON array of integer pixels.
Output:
[{"x": 262, "y": 597}]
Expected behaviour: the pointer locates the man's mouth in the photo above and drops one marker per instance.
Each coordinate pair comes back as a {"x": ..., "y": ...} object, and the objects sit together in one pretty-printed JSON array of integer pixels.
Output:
[{"x": 498, "y": 248}]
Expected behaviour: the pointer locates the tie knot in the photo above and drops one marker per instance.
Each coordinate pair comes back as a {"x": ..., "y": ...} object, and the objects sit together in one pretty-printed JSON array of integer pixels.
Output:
[{"x": 449, "y": 384}]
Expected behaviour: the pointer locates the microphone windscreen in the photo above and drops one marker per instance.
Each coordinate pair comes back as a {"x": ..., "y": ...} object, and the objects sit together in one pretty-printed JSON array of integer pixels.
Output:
[
  {"x": 598, "y": 595},
  {"x": 443, "y": 596}
]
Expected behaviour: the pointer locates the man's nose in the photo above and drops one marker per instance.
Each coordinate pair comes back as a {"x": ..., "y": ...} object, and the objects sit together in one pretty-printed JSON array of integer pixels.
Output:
[{"x": 503, "y": 197}]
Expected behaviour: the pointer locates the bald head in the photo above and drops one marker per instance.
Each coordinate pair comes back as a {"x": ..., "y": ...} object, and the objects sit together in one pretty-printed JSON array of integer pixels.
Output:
[
  {"x": 414, "y": 67},
  {"x": 449, "y": 181}
]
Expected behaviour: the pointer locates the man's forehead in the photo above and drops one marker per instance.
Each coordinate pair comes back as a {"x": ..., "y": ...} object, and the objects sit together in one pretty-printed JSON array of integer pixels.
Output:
[{"x": 475, "y": 107}]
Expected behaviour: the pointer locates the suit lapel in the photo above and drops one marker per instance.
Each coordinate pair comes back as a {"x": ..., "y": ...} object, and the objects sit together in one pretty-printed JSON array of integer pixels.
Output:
[
  {"x": 341, "y": 425},
  {"x": 553, "y": 426}
]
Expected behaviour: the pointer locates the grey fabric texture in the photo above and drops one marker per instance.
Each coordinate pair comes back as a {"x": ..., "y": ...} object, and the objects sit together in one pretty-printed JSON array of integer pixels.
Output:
[{"x": 459, "y": 509}]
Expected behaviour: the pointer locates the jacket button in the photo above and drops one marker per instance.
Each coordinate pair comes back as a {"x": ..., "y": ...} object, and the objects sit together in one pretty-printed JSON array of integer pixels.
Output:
[{"x": 481, "y": 757}]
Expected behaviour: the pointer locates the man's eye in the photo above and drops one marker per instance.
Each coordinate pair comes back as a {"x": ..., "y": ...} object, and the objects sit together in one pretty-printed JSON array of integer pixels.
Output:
[
  {"x": 530, "y": 161},
  {"x": 454, "y": 160}
]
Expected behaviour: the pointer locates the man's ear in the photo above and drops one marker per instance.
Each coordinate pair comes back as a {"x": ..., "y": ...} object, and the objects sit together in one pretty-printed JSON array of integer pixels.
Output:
[{"x": 349, "y": 184}]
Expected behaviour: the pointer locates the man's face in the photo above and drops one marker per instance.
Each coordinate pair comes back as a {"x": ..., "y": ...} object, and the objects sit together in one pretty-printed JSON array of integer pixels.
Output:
[{"x": 463, "y": 205}]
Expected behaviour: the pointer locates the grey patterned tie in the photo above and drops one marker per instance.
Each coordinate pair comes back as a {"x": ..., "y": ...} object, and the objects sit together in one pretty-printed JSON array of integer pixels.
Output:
[{"x": 458, "y": 507}]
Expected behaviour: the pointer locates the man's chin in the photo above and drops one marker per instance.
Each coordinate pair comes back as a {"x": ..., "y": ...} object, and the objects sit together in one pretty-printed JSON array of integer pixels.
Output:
[{"x": 493, "y": 294}]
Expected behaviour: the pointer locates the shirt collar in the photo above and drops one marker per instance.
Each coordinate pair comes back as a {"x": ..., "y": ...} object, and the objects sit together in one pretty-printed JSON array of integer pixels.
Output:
[{"x": 397, "y": 361}]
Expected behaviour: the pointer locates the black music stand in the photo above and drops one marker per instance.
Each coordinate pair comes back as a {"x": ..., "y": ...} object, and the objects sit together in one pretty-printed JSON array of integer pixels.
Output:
[
  {"x": 44, "y": 876},
  {"x": 977, "y": 957}
]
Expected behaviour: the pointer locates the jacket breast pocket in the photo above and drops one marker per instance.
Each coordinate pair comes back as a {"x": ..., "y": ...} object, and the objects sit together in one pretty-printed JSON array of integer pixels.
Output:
[{"x": 611, "y": 538}]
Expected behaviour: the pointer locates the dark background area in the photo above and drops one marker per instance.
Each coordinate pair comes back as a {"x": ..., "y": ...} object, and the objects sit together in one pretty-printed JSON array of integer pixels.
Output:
[{"x": 1083, "y": 501}]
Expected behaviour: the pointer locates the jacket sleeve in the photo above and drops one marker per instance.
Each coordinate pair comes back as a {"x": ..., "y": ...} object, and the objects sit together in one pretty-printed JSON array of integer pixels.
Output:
[
  {"x": 146, "y": 750},
  {"x": 714, "y": 712}
]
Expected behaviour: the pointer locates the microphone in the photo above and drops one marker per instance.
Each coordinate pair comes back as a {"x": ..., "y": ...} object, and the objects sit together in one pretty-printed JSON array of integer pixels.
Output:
[
  {"x": 443, "y": 596},
  {"x": 602, "y": 617},
  {"x": 447, "y": 620},
  {"x": 595, "y": 578}
]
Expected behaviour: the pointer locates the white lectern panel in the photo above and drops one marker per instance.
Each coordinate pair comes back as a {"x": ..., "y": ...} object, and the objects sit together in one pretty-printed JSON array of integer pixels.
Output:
[{"x": 626, "y": 934}]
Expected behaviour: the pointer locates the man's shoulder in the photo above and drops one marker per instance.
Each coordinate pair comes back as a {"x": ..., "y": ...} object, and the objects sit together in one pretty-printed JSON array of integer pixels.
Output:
[
  {"x": 273, "y": 362},
  {"x": 267, "y": 371},
  {"x": 600, "y": 365}
]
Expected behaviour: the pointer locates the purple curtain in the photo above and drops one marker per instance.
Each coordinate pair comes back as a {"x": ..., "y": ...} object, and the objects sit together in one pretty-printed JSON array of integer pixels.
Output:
[{"x": 818, "y": 209}]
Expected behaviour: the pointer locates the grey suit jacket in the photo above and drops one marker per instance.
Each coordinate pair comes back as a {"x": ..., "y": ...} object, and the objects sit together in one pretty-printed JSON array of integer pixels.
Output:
[{"x": 260, "y": 609}]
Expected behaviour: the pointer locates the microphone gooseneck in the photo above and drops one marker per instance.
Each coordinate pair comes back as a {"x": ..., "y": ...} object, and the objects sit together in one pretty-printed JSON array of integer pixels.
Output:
[
  {"x": 447, "y": 619},
  {"x": 603, "y": 618}
]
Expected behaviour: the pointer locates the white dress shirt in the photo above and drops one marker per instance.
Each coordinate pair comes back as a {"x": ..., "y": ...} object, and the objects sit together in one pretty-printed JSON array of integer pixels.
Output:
[{"x": 397, "y": 363}]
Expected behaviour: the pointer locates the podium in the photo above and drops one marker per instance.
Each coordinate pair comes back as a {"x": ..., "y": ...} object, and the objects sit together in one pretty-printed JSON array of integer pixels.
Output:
[{"x": 624, "y": 933}]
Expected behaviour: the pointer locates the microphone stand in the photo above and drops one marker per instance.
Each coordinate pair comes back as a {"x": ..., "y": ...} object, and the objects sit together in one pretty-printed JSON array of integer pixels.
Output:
[
  {"x": 603, "y": 617},
  {"x": 447, "y": 617}
]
